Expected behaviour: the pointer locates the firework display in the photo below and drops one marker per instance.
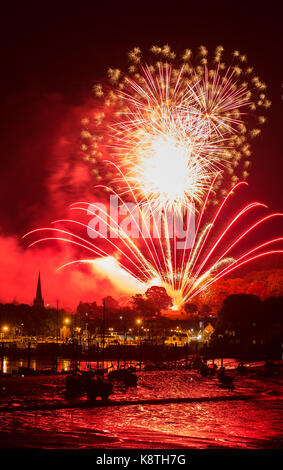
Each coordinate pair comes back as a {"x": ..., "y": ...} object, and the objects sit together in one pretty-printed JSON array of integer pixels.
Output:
[
  {"x": 172, "y": 137},
  {"x": 191, "y": 115}
]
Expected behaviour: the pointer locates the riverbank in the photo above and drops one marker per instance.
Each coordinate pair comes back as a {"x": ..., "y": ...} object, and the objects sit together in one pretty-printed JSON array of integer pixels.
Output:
[
  {"x": 187, "y": 411},
  {"x": 46, "y": 392}
]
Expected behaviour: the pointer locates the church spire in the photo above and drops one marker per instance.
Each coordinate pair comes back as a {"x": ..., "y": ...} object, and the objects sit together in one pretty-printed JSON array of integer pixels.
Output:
[{"x": 38, "y": 301}]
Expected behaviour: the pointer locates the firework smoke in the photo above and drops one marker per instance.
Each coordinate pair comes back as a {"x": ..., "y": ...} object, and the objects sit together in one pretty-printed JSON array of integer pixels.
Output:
[{"x": 172, "y": 136}]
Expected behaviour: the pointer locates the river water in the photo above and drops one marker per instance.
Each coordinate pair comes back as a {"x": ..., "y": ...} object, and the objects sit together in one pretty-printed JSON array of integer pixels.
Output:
[{"x": 148, "y": 416}]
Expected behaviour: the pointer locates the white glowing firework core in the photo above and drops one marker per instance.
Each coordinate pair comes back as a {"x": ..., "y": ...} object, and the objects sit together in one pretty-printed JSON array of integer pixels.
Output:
[{"x": 165, "y": 171}]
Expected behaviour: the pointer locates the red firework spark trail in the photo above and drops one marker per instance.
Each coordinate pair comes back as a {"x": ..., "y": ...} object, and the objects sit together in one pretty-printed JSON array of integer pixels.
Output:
[
  {"x": 191, "y": 282},
  {"x": 199, "y": 222},
  {"x": 195, "y": 275},
  {"x": 212, "y": 224},
  {"x": 77, "y": 244},
  {"x": 242, "y": 212},
  {"x": 93, "y": 248},
  {"x": 252, "y": 227},
  {"x": 104, "y": 237},
  {"x": 127, "y": 241}
]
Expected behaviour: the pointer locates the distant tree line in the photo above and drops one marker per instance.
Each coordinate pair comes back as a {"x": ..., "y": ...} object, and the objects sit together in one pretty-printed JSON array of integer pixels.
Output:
[{"x": 23, "y": 319}]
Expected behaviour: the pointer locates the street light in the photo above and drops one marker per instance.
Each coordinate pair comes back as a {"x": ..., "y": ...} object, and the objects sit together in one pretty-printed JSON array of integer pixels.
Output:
[
  {"x": 65, "y": 329},
  {"x": 139, "y": 324},
  {"x": 5, "y": 329}
]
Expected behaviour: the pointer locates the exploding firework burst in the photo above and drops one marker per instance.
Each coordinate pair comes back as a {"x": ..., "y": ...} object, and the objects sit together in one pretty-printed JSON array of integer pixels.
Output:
[{"x": 172, "y": 124}]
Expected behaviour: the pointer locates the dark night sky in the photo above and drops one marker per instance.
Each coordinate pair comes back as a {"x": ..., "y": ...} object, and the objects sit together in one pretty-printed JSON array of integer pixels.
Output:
[{"x": 53, "y": 52}]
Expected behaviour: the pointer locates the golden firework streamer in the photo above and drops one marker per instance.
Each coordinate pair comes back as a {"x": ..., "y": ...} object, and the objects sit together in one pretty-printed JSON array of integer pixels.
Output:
[{"x": 175, "y": 119}]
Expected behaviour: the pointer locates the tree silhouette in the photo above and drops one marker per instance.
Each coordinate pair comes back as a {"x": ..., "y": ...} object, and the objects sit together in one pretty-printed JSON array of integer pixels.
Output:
[
  {"x": 190, "y": 308},
  {"x": 159, "y": 298}
]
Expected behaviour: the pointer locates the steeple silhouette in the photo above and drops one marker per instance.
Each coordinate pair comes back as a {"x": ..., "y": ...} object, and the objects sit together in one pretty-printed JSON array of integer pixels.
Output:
[{"x": 38, "y": 301}]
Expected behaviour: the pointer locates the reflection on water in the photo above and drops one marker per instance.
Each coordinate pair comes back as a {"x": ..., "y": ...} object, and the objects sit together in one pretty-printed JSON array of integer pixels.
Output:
[
  {"x": 9, "y": 366},
  {"x": 208, "y": 421}
]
